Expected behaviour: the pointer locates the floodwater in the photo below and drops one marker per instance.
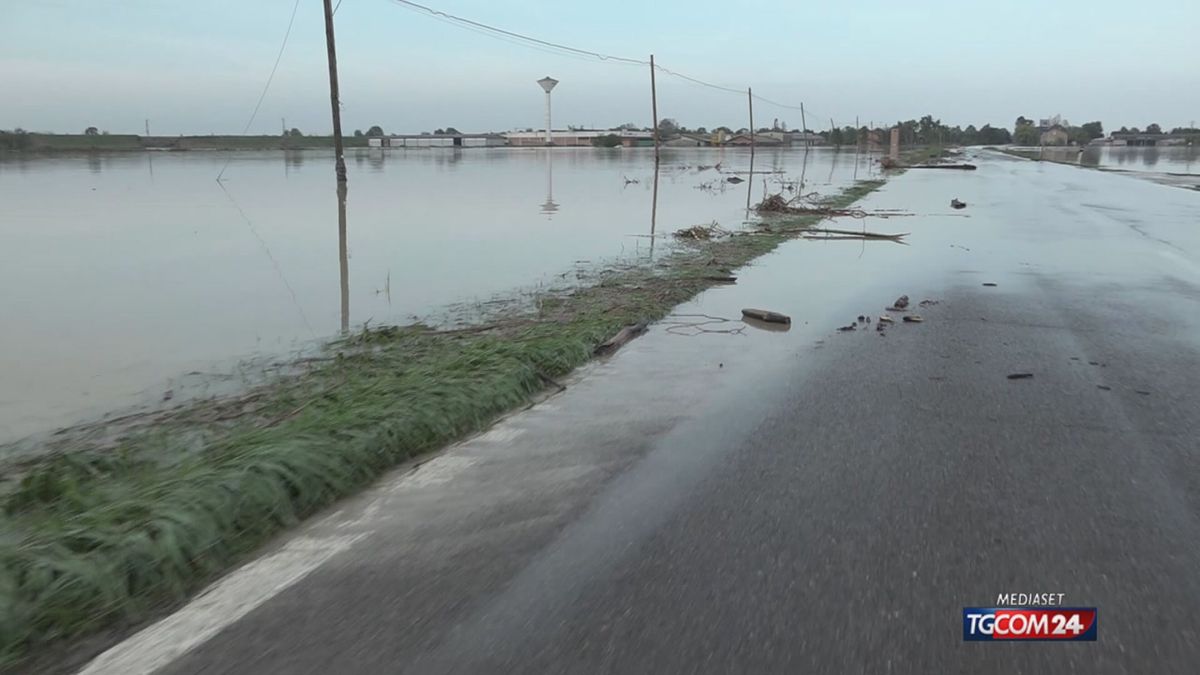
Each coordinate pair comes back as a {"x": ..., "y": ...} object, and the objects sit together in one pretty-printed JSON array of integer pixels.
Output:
[
  {"x": 1173, "y": 165},
  {"x": 127, "y": 274}
]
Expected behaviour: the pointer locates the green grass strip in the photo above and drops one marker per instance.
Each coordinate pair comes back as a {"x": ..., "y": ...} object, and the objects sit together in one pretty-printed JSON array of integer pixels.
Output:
[{"x": 95, "y": 536}]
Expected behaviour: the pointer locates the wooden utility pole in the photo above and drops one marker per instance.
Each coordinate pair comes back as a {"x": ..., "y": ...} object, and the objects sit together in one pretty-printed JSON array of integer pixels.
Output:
[
  {"x": 654, "y": 111},
  {"x": 147, "y": 127},
  {"x": 340, "y": 165},
  {"x": 750, "y": 98},
  {"x": 803, "y": 124}
]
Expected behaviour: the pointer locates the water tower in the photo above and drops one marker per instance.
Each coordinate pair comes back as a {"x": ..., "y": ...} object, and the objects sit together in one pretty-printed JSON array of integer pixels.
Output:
[{"x": 548, "y": 86}]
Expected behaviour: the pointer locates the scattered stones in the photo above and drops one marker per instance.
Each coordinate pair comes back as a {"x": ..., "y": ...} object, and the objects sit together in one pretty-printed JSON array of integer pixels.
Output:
[
  {"x": 991, "y": 284},
  {"x": 913, "y": 318},
  {"x": 955, "y": 203},
  {"x": 1104, "y": 387},
  {"x": 862, "y": 319},
  {"x": 928, "y": 303},
  {"x": 901, "y": 302},
  {"x": 1020, "y": 376},
  {"x": 884, "y": 318},
  {"x": 735, "y": 180},
  {"x": 1143, "y": 392},
  {"x": 849, "y": 327}
]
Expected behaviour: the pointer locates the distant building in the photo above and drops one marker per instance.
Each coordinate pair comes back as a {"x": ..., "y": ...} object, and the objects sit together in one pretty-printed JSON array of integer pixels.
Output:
[
  {"x": 437, "y": 141},
  {"x": 1055, "y": 135},
  {"x": 760, "y": 140},
  {"x": 579, "y": 137},
  {"x": 690, "y": 141}
]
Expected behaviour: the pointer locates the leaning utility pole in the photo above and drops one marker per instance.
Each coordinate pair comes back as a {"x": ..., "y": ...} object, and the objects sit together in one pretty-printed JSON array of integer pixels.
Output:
[
  {"x": 654, "y": 110},
  {"x": 750, "y": 98},
  {"x": 333, "y": 94}
]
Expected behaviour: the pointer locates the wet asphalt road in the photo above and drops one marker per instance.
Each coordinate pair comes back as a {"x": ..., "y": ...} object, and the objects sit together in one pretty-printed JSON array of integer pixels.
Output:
[{"x": 815, "y": 501}]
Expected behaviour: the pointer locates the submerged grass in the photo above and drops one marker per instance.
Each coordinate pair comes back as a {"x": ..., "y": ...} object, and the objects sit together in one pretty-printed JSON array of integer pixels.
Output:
[{"x": 99, "y": 535}]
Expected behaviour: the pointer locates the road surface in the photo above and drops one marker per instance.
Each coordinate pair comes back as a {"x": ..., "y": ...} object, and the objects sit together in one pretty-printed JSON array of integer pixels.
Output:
[{"x": 807, "y": 501}]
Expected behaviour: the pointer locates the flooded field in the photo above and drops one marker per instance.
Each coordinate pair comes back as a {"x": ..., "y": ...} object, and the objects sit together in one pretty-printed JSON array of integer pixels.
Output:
[
  {"x": 127, "y": 274},
  {"x": 1170, "y": 165}
]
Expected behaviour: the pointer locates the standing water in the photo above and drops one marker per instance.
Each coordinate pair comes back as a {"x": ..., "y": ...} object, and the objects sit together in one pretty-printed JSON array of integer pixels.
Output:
[{"x": 125, "y": 272}]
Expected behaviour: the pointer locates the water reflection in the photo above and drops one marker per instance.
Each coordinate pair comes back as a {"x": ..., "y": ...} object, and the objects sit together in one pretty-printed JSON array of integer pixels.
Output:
[
  {"x": 654, "y": 209},
  {"x": 95, "y": 162},
  {"x": 549, "y": 207},
  {"x": 343, "y": 258}
]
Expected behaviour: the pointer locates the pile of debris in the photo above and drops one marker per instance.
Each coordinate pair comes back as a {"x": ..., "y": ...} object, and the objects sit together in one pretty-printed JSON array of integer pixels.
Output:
[{"x": 702, "y": 232}]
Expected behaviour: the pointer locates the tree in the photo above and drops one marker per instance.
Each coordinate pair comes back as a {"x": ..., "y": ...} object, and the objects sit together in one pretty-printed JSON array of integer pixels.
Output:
[
  {"x": 91, "y": 131},
  {"x": 628, "y": 126},
  {"x": 1021, "y": 121},
  {"x": 1026, "y": 134},
  {"x": 452, "y": 131},
  {"x": 606, "y": 141},
  {"x": 701, "y": 130},
  {"x": 438, "y": 132},
  {"x": 1094, "y": 130},
  {"x": 1154, "y": 129},
  {"x": 375, "y": 131},
  {"x": 295, "y": 132},
  {"x": 358, "y": 133},
  {"x": 668, "y": 127}
]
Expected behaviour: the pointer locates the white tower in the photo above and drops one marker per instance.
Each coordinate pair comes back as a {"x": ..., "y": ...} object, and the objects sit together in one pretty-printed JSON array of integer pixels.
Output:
[{"x": 548, "y": 86}]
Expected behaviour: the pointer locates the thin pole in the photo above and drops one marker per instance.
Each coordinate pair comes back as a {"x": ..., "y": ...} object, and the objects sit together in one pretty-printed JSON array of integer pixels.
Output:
[
  {"x": 654, "y": 111},
  {"x": 803, "y": 124},
  {"x": 147, "y": 127},
  {"x": 340, "y": 161},
  {"x": 750, "y": 98}
]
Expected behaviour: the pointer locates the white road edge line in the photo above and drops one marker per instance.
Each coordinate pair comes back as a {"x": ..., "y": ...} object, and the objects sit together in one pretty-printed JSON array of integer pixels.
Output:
[{"x": 220, "y": 605}]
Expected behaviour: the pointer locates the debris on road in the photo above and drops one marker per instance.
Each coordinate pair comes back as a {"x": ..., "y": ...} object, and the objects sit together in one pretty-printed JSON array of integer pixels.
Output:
[
  {"x": 622, "y": 337},
  {"x": 766, "y": 315},
  {"x": 851, "y": 234},
  {"x": 690, "y": 325},
  {"x": 913, "y": 318},
  {"x": 1020, "y": 376},
  {"x": 964, "y": 167},
  {"x": 956, "y": 204}
]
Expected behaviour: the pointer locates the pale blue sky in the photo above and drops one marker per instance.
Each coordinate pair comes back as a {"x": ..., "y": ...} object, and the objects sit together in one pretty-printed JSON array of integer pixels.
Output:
[{"x": 198, "y": 67}]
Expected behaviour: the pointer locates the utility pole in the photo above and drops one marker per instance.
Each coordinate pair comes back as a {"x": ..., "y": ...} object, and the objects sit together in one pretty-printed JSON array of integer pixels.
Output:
[
  {"x": 803, "y": 124},
  {"x": 750, "y": 98},
  {"x": 147, "y": 127},
  {"x": 654, "y": 110},
  {"x": 340, "y": 165}
]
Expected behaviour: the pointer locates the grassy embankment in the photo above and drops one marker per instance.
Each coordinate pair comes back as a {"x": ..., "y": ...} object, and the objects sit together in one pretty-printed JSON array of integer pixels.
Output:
[
  {"x": 96, "y": 535},
  {"x": 52, "y": 143}
]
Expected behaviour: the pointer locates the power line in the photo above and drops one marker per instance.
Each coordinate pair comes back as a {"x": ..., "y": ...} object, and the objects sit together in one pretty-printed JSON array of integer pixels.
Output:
[
  {"x": 519, "y": 36},
  {"x": 513, "y": 37},
  {"x": 267, "y": 86}
]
